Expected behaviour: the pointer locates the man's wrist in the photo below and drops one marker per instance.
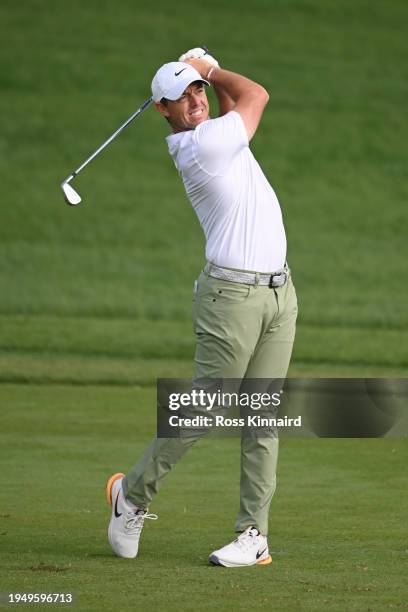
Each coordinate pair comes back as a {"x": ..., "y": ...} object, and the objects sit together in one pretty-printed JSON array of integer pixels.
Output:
[{"x": 210, "y": 72}]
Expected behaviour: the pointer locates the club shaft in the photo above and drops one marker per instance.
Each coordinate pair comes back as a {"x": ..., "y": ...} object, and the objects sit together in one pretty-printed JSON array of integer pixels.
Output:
[{"x": 105, "y": 144}]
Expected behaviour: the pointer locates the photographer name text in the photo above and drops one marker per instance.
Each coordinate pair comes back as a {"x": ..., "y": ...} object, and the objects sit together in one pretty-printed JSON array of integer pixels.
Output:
[{"x": 221, "y": 421}]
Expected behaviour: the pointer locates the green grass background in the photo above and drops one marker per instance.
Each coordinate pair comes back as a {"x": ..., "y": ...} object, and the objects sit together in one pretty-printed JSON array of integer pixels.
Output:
[{"x": 100, "y": 296}]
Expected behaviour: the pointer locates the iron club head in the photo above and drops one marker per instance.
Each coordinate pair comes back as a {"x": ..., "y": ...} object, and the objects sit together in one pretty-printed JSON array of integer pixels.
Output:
[{"x": 71, "y": 196}]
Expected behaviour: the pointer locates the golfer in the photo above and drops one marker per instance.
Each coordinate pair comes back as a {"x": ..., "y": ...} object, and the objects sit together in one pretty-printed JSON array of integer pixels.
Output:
[{"x": 245, "y": 304}]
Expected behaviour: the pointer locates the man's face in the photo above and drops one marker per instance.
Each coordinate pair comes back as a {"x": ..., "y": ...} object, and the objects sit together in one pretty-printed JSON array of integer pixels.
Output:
[{"x": 189, "y": 110}]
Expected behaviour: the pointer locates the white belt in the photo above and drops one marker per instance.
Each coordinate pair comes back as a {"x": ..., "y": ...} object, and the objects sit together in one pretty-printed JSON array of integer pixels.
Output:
[{"x": 273, "y": 279}]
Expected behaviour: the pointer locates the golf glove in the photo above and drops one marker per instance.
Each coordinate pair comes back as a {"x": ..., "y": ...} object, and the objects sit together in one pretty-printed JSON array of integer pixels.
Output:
[{"x": 197, "y": 53}]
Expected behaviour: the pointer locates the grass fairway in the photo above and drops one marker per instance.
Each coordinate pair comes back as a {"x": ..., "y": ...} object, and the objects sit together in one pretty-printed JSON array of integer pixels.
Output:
[
  {"x": 338, "y": 521},
  {"x": 95, "y": 301}
]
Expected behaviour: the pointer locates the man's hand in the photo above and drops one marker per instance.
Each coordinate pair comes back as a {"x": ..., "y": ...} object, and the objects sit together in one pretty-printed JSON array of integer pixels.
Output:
[
  {"x": 197, "y": 53},
  {"x": 202, "y": 65}
]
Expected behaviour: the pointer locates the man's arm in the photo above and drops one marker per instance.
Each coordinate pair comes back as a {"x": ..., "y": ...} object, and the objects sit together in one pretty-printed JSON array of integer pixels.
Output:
[
  {"x": 249, "y": 98},
  {"x": 225, "y": 102}
]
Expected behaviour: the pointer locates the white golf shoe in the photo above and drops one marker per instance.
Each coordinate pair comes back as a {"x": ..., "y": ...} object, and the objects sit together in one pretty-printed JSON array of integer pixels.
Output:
[
  {"x": 250, "y": 548},
  {"x": 126, "y": 522}
]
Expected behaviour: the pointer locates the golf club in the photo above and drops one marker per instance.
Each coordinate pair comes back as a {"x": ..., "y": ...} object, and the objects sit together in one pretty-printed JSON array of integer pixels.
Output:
[{"x": 71, "y": 196}]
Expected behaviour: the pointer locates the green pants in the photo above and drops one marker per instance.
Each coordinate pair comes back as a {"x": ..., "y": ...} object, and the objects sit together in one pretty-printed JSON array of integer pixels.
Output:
[{"x": 242, "y": 331}]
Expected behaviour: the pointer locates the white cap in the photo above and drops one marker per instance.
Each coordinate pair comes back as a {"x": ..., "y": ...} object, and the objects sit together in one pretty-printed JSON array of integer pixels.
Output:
[{"x": 172, "y": 79}]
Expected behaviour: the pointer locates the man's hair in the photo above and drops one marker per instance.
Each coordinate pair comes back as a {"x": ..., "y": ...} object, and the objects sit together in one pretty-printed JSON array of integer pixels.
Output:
[{"x": 164, "y": 102}]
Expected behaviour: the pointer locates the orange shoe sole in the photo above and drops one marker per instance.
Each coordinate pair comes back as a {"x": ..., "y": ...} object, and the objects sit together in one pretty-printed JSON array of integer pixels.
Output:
[
  {"x": 265, "y": 561},
  {"x": 109, "y": 486}
]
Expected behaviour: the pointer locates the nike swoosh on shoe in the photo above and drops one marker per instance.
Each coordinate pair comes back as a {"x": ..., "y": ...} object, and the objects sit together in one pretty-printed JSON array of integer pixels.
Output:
[{"x": 117, "y": 514}]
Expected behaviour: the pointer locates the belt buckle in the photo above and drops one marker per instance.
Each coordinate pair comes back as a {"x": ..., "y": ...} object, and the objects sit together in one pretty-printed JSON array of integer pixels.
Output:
[{"x": 272, "y": 283}]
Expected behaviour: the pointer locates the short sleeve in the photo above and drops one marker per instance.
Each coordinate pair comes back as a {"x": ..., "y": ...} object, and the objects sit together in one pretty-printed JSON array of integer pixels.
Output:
[{"x": 217, "y": 141}]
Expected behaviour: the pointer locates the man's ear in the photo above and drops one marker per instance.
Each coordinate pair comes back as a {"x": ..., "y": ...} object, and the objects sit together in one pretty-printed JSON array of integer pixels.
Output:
[{"x": 162, "y": 109}]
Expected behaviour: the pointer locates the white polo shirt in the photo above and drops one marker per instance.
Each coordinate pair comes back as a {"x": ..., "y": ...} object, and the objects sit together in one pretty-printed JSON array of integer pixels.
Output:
[{"x": 236, "y": 206}]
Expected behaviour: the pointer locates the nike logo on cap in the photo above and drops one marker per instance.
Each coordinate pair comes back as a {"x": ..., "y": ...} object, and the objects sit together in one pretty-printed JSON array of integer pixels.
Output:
[
  {"x": 117, "y": 514},
  {"x": 177, "y": 73}
]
